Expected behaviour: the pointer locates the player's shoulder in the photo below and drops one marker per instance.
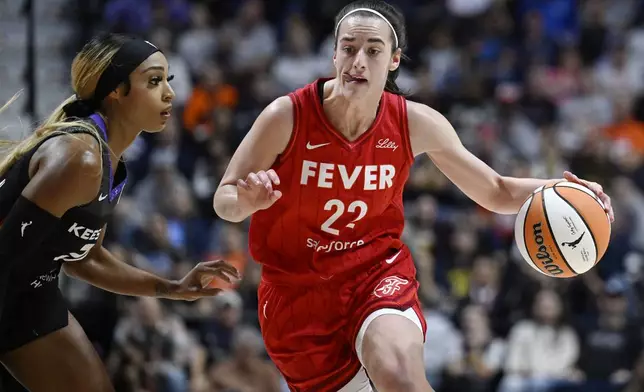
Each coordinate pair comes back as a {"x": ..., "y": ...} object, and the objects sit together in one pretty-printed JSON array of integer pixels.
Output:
[
  {"x": 71, "y": 156},
  {"x": 281, "y": 109},
  {"x": 429, "y": 130},
  {"x": 423, "y": 115}
]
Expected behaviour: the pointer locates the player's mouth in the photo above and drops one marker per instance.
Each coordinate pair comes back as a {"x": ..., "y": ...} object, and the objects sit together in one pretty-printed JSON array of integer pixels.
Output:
[
  {"x": 167, "y": 112},
  {"x": 354, "y": 79}
]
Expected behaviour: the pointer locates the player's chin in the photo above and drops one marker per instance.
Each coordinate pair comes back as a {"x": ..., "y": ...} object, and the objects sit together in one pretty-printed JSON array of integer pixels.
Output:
[
  {"x": 155, "y": 128},
  {"x": 158, "y": 125}
]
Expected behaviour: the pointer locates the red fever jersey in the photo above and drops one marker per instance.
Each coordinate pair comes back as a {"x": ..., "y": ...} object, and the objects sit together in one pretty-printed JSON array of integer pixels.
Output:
[{"x": 341, "y": 210}]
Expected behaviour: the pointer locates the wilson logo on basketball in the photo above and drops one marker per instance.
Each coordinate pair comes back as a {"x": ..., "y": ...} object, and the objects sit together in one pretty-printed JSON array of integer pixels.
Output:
[
  {"x": 542, "y": 251},
  {"x": 389, "y": 286}
]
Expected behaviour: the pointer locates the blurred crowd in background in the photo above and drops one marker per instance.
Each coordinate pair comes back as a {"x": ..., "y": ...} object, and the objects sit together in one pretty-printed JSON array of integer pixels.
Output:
[{"x": 533, "y": 87}]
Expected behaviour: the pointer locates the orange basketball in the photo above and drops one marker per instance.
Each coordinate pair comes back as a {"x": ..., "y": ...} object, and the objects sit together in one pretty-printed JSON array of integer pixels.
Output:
[{"x": 562, "y": 229}]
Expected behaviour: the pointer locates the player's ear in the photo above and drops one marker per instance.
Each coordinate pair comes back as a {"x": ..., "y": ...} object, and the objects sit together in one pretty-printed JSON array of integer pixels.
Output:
[{"x": 395, "y": 60}]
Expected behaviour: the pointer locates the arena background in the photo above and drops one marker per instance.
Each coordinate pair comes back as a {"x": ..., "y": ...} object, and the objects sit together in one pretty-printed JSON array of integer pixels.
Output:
[{"x": 533, "y": 87}]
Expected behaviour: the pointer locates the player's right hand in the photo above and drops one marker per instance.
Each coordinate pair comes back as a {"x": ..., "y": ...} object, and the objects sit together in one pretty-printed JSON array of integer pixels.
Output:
[{"x": 257, "y": 192}]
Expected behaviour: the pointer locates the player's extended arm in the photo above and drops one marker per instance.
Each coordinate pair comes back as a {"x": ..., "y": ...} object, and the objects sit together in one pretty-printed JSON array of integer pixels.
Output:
[
  {"x": 431, "y": 133},
  {"x": 267, "y": 138},
  {"x": 102, "y": 269}
]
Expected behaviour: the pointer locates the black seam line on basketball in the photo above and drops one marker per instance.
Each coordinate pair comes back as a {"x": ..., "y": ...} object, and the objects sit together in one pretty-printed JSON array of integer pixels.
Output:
[
  {"x": 590, "y": 194},
  {"x": 525, "y": 237},
  {"x": 552, "y": 233},
  {"x": 590, "y": 231}
]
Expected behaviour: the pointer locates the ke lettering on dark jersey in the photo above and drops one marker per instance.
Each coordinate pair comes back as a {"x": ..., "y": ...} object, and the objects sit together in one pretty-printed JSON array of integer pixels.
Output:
[
  {"x": 342, "y": 207},
  {"x": 80, "y": 227}
]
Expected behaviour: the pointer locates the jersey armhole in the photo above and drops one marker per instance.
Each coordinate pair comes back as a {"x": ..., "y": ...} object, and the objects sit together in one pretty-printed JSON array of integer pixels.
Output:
[
  {"x": 291, "y": 142},
  {"x": 402, "y": 102}
]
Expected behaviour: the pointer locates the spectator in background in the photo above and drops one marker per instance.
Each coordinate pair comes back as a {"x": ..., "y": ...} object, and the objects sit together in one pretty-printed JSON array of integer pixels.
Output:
[
  {"x": 541, "y": 351},
  {"x": 220, "y": 317},
  {"x": 231, "y": 248},
  {"x": 629, "y": 125},
  {"x": 583, "y": 114},
  {"x": 443, "y": 349},
  {"x": 442, "y": 58},
  {"x": 611, "y": 344},
  {"x": 247, "y": 369},
  {"x": 199, "y": 43},
  {"x": 163, "y": 179},
  {"x": 560, "y": 19},
  {"x": 250, "y": 40},
  {"x": 618, "y": 75},
  {"x": 298, "y": 64},
  {"x": 151, "y": 335},
  {"x": 537, "y": 48},
  {"x": 594, "y": 34},
  {"x": 125, "y": 16},
  {"x": 154, "y": 244},
  {"x": 210, "y": 93},
  {"x": 483, "y": 354}
]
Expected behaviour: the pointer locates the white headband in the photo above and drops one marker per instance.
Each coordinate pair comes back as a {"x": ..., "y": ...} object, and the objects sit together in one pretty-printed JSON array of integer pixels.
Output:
[{"x": 373, "y": 12}]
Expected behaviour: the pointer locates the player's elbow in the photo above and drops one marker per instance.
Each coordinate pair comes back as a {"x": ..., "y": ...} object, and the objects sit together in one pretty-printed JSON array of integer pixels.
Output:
[
  {"x": 73, "y": 269},
  {"x": 225, "y": 204}
]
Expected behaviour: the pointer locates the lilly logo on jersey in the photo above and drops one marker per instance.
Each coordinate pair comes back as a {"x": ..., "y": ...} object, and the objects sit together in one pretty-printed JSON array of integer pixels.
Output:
[
  {"x": 386, "y": 143},
  {"x": 335, "y": 246},
  {"x": 374, "y": 177}
]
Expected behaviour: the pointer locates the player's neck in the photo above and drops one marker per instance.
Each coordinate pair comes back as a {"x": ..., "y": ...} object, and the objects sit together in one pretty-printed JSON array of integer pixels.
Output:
[
  {"x": 351, "y": 118},
  {"x": 119, "y": 138}
]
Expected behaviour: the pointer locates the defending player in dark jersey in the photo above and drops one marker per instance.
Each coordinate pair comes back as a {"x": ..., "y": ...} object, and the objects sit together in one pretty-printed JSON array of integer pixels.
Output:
[{"x": 57, "y": 190}]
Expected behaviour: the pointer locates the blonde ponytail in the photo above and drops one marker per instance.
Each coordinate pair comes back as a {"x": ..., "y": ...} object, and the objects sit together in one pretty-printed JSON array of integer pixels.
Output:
[
  {"x": 87, "y": 67},
  {"x": 54, "y": 124}
]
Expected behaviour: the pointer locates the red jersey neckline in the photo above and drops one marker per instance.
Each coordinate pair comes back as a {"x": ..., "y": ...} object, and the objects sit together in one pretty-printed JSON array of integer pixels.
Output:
[{"x": 337, "y": 134}]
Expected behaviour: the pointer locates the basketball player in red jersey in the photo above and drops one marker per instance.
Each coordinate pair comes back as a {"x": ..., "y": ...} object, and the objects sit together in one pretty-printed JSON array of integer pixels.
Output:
[{"x": 322, "y": 173}]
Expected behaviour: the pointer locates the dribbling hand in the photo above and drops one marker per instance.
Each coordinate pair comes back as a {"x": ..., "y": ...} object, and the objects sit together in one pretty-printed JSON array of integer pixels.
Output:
[
  {"x": 196, "y": 283},
  {"x": 597, "y": 189},
  {"x": 256, "y": 192}
]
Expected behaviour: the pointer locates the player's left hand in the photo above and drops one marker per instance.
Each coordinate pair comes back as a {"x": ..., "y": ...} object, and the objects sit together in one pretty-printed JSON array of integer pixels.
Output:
[
  {"x": 597, "y": 189},
  {"x": 195, "y": 284}
]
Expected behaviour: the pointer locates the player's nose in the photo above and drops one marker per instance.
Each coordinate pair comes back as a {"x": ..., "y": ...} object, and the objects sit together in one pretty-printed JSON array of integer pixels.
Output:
[{"x": 359, "y": 61}]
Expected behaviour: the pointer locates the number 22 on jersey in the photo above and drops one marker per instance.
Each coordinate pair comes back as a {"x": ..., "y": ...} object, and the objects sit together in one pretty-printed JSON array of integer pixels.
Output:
[{"x": 338, "y": 208}]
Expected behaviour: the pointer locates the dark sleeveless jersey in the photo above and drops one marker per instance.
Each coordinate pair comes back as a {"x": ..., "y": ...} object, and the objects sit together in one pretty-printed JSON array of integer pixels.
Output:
[{"x": 79, "y": 228}]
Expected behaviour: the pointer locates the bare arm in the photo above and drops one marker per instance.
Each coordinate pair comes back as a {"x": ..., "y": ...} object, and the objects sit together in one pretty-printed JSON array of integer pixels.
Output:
[
  {"x": 65, "y": 172},
  {"x": 103, "y": 270},
  {"x": 431, "y": 133},
  {"x": 267, "y": 138}
]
